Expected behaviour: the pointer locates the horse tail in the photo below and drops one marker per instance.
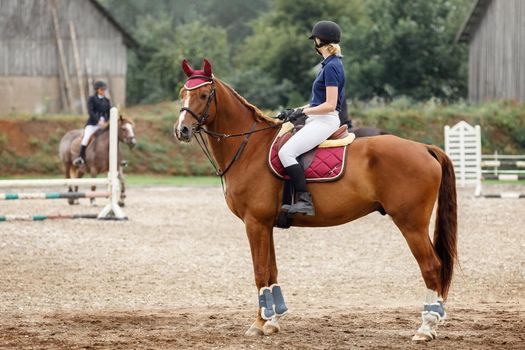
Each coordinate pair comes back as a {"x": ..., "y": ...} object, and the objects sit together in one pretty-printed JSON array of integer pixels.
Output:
[{"x": 445, "y": 233}]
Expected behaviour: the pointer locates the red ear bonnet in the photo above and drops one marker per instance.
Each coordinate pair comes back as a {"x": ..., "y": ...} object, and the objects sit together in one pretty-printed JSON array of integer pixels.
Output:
[
  {"x": 187, "y": 68},
  {"x": 207, "y": 68},
  {"x": 197, "y": 78}
]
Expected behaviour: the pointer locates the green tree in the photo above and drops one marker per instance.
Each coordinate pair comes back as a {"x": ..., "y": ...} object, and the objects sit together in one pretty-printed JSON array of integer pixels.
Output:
[
  {"x": 155, "y": 68},
  {"x": 407, "y": 48},
  {"x": 280, "y": 47}
]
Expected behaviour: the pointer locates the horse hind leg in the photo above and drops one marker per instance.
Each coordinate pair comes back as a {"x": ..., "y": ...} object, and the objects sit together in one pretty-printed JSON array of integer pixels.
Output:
[{"x": 419, "y": 242}]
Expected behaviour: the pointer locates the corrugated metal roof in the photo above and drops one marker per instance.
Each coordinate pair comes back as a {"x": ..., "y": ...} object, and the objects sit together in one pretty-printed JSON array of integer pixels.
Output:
[{"x": 474, "y": 17}]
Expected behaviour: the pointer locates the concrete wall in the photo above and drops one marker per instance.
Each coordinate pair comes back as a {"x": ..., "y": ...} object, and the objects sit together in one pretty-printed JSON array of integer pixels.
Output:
[{"x": 41, "y": 94}]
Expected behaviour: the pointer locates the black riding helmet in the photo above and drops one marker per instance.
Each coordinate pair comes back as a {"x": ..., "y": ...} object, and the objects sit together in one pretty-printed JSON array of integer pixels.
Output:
[
  {"x": 327, "y": 31},
  {"x": 100, "y": 85}
]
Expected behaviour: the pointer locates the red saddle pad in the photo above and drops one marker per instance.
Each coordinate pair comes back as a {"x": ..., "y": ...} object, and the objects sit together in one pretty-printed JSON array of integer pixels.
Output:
[{"x": 328, "y": 164}]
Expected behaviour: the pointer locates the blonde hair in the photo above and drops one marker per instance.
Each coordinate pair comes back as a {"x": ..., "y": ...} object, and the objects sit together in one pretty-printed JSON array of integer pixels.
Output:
[{"x": 334, "y": 49}]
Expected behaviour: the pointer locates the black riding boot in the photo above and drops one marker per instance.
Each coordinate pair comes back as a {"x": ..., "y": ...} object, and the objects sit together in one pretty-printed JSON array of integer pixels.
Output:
[
  {"x": 304, "y": 204},
  {"x": 81, "y": 157}
]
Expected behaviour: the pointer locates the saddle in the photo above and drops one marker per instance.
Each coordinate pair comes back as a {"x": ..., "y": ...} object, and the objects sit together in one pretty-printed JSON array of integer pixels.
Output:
[{"x": 323, "y": 163}]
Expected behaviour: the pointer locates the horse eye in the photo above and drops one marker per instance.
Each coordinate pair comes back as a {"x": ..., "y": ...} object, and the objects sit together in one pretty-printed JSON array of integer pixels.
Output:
[{"x": 204, "y": 96}]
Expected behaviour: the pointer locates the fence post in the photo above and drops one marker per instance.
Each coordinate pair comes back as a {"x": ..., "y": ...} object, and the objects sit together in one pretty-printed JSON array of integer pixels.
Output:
[
  {"x": 112, "y": 209},
  {"x": 477, "y": 191}
]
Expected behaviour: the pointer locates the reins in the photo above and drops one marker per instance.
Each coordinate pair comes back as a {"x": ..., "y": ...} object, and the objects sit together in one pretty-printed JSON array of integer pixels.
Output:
[{"x": 201, "y": 120}]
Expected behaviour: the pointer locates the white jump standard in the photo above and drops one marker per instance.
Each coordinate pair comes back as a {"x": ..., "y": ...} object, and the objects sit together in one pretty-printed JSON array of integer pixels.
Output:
[
  {"x": 111, "y": 211},
  {"x": 463, "y": 146}
]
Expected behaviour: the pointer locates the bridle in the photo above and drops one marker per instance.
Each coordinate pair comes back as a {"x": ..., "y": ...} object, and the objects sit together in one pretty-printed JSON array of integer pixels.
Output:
[
  {"x": 201, "y": 119},
  {"x": 199, "y": 129}
]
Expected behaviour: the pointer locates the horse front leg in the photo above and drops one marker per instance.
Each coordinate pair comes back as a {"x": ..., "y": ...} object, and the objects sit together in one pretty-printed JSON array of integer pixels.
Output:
[
  {"x": 73, "y": 174},
  {"x": 94, "y": 174},
  {"x": 122, "y": 187},
  {"x": 271, "y": 303}
]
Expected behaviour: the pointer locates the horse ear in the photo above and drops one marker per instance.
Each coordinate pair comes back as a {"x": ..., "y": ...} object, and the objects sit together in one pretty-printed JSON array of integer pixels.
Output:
[
  {"x": 120, "y": 117},
  {"x": 207, "y": 68},
  {"x": 187, "y": 68}
]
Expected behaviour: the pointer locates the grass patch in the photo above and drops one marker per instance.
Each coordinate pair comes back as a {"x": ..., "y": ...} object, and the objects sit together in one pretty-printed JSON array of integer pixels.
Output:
[
  {"x": 146, "y": 180},
  {"x": 503, "y": 182},
  {"x": 152, "y": 180}
]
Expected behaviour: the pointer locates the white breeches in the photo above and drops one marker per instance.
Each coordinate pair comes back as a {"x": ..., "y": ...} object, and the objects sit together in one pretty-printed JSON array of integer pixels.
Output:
[
  {"x": 316, "y": 130},
  {"x": 89, "y": 130}
]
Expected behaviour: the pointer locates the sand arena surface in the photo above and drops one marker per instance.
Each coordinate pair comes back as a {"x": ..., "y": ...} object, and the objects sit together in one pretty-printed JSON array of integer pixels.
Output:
[{"x": 178, "y": 274}]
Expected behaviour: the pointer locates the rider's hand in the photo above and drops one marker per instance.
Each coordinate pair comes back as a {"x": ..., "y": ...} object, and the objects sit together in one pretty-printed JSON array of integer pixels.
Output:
[
  {"x": 296, "y": 114},
  {"x": 285, "y": 113},
  {"x": 102, "y": 122}
]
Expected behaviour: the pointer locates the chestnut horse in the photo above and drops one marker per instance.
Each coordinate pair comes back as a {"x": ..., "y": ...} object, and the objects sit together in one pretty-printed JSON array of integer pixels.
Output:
[{"x": 386, "y": 173}]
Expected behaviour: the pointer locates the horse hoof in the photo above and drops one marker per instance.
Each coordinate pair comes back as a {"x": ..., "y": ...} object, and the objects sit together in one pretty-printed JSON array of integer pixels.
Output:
[
  {"x": 423, "y": 337},
  {"x": 254, "y": 331},
  {"x": 271, "y": 326},
  {"x": 121, "y": 204}
]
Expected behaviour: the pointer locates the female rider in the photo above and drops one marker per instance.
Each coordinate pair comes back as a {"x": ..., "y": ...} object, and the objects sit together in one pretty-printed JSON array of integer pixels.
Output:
[
  {"x": 98, "y": 110},
  {"x": 322, "y": 113}
]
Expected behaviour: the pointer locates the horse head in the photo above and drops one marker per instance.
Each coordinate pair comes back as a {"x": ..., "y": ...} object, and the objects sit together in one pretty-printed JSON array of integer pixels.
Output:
[
  {"x": 197, "y": 96},
  {"x": 126, "y": 131}
]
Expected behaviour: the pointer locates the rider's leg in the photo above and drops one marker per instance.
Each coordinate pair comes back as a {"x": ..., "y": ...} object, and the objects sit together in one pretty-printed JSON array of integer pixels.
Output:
[
  {"x": 316, "y": 130},
  {"x": 89, "y": 130}
]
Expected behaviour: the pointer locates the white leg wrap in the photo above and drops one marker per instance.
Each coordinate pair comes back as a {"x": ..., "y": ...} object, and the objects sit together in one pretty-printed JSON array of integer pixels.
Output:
[
  {"x": 431, "y": 297},
  {"x": 432, "y": 315}
]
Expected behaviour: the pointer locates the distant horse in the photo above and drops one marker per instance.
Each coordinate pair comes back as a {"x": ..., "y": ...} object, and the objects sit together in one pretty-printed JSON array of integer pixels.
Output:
[
  {"x": 367, "y": 131},
  {"x": 386, "y": 173},
  {"x": 97, "y": 154}
]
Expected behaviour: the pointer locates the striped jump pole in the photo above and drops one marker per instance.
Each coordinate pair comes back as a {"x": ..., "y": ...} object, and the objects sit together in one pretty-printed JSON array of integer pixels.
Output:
[{"x": 53, "y": 195}]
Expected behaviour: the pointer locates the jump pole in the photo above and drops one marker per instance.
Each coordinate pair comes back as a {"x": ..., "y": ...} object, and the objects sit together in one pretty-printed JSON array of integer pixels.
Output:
[
  {"x": 53, "y": 195},
  {"x": 53, "y": 182}
]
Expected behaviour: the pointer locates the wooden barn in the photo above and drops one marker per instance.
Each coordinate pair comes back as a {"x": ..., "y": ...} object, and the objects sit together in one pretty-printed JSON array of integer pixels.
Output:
[
  {"x": 52, "y": 50},
  {"x": 495, "y": 32}
]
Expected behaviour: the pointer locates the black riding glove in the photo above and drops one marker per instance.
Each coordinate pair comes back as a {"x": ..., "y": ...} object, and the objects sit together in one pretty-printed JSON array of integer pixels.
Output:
[
  {"x": 296, "y": 115},
  {"x": 284, "y": 114}
]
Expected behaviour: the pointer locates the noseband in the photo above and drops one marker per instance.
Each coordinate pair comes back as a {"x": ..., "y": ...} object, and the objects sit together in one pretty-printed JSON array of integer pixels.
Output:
[{"x": 201, "y": 119}]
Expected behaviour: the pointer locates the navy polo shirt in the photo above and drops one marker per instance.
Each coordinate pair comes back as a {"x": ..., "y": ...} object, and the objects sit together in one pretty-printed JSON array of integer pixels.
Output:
[{"x": 332, "y": 74}]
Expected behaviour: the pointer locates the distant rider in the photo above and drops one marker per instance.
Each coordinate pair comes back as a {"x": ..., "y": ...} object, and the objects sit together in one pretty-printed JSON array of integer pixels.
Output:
[
  {"x": 322, "y": 113},
  {"x": 98, "y": 109}
]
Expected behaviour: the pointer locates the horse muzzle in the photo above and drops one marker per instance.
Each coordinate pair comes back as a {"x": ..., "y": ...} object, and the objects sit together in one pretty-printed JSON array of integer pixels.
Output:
[{"x": 183, "y": 133}]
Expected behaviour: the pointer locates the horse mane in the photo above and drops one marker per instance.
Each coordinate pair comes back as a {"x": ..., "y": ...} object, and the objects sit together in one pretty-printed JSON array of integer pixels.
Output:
[{"x": 257, "y": 113}]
